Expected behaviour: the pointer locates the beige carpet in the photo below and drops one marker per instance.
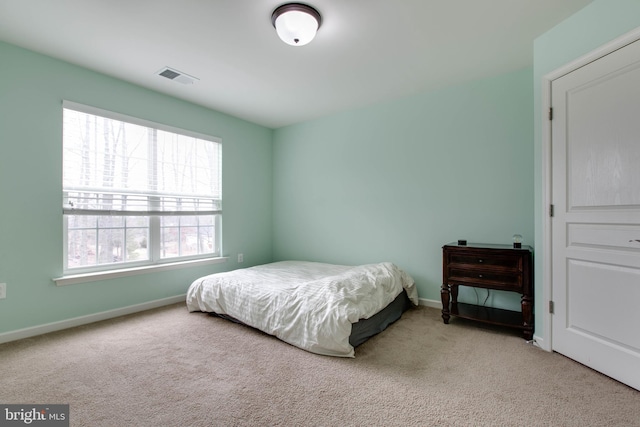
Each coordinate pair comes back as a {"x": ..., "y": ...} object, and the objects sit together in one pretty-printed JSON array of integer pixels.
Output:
[{"x": 168, "y": 367}]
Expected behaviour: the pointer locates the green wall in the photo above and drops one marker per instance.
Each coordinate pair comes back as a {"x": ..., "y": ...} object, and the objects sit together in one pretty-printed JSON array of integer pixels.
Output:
[
  {"x": 597, "y": 24},
  {"x": 396, "y": 181},
  {"x": 31, "y": 92}
]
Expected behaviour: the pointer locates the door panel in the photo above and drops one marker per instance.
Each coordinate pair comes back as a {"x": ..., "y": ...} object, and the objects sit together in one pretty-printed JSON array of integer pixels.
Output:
[
  {"x": 604, "y": 158},
  {"x": 613, "y": 320},
  {"x": 596, "y": 230},
  {"x": 604, "y": 236}
]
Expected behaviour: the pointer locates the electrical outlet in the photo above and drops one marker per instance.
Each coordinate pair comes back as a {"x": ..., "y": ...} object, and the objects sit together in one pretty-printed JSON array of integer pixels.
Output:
[
  {"x": 240, "y": 257},
  {"x": 3, "y": 290}
]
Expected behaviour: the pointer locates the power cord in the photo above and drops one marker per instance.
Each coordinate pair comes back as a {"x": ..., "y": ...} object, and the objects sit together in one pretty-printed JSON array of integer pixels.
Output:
[
  {"x": 485, "y": 300},
  {"x": 484, "y": 303},
  {"x": 478, "y": 297}
]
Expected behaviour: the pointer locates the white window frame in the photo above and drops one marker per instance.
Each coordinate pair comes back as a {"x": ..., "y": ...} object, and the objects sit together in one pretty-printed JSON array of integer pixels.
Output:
[{"x": 155, "y": 262}]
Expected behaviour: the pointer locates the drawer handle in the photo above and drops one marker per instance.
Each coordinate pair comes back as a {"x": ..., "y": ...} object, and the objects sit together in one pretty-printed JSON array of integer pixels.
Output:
[
  {"x": 480, "y": 261},
  {"x": 480, "y": 276}
]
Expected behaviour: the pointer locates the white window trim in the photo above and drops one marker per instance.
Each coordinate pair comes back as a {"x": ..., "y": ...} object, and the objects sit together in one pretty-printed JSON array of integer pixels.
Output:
[{"x": 125, "y": 272}]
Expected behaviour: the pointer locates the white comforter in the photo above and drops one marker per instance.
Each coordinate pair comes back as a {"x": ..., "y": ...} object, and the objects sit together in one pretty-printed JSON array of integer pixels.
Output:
[{"x": 306, "y": 304}]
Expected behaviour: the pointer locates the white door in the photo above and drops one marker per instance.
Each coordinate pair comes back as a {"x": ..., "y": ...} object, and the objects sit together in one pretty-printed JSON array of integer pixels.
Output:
[{"x": 596, "y": 227}]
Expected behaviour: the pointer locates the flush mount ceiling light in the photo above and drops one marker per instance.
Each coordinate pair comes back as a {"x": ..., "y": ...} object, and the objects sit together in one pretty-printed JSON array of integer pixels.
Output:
[{"x": 296, "y": 23}]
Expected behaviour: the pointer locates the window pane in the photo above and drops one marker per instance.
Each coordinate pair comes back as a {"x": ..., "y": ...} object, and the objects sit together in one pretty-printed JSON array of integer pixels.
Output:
[
  {"x": 110, "y": 245},
  {"x": 110, "y": 221},
  {"x": 188, "y": 221},
  {"x": 137, "y": 221},
  {"x": 194, "y": 235},
  {"x": 82, "y": 221},
  {"x": 170, "y": 242},
  {"x": 188, "y": 241},
  {"x": 81, "y": 248},
  {"x": 170, "y": 221},
  {"x": 137, "y": 239},
  {"x": 206, "y": 238},
  {"x": 205, "y": 220}
]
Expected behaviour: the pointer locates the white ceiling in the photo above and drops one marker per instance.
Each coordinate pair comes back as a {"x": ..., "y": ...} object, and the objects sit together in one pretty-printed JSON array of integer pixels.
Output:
[{"x": 366, "y": 51}]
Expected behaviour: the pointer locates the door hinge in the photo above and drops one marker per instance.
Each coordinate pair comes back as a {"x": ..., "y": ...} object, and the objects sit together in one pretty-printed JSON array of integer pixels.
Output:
[
  {"x": 551, "y": 211},
  {"x": 550, "y": 113},
  {"x": 551, "y": 308}
]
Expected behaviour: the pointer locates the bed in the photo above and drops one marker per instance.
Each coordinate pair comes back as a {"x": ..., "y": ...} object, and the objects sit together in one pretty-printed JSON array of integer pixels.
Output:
[{"x": 323, "y": 308}]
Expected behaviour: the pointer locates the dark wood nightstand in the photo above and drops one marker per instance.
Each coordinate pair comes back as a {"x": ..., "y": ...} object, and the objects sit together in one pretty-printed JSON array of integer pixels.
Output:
[{"x": 488, "y": 266}]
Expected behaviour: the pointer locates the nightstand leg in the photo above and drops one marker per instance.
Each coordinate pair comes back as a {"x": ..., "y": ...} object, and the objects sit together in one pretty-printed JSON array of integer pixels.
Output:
[
  {"x": 527, "y": 317},
  {"x": 444, "y": 295}
]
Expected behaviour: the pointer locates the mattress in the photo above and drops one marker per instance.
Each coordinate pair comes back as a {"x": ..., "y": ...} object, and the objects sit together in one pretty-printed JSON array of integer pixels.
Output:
[{"x": 314, "y": 306}]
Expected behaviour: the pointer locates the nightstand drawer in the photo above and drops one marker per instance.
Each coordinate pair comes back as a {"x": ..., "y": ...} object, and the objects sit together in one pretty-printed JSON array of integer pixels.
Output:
[
  {"x": 482, "y": 278},
  {"x": 479, "y": 260}
]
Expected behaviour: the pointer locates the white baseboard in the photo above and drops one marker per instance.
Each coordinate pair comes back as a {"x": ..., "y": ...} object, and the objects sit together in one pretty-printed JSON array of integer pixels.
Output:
[
  {"x": 110, "y": 314},
  {"x": 539, "y": 342},
  {"x": 90, "y": 318},
  {"x": 431, "y": 303}
]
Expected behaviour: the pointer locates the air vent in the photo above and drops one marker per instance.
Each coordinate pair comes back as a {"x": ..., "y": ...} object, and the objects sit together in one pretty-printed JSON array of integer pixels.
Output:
[{"x": 177, "y": 76}]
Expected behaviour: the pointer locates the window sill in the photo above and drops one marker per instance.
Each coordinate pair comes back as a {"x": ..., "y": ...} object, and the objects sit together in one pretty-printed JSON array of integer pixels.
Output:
[{"x": 114, "y": 274}]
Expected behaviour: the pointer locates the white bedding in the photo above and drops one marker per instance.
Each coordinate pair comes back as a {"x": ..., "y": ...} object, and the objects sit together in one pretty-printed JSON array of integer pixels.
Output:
[{"x": 307, "y": 304}]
